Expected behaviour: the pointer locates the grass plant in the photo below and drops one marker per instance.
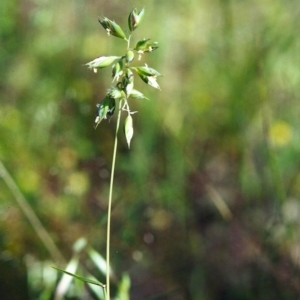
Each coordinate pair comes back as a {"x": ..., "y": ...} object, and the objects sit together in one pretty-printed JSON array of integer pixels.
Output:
[{"x": 117, "y": 98}]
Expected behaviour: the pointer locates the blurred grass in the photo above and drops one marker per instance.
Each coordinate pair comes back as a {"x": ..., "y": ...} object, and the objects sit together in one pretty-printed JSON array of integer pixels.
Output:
[{"x": 226, "y": 118}]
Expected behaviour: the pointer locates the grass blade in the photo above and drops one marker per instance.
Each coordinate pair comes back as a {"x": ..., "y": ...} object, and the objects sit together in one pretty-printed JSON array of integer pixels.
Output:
[{"x": 84, "y": 279}]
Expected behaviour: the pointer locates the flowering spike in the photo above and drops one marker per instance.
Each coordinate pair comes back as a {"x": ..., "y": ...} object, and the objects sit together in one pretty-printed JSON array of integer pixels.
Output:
[
  {"x": 102, "y": 62},
  {"x": 146, "y": 71},
  {"x": 105, "y": 108},
  {"x": 138, "y": 95},
  {"x": 129, "y": 56},
  {"x": 145, "y": 46},
  {"x": 151, "y": 80},
  {"x": 128, "y": 129},
  {"x": 117, "y": 70},
  {"x": 127, "y": 82},
  {"x": 135, "y": 18},
  {"x": 112, "y": 28}
]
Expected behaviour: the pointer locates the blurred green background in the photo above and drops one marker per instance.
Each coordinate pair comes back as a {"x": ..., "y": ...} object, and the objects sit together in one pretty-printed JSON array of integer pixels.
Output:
[{"x": 206, "y": 201}]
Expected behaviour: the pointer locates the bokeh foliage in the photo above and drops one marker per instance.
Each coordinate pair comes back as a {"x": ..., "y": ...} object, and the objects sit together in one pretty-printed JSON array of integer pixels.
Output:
[{"x": 221, "y": 135}]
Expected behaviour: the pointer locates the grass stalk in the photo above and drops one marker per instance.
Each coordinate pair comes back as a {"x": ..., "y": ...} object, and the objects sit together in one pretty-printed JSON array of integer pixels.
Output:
[
  {"x": 31, "y": 216},
  {"x": 110, "y": 203}
]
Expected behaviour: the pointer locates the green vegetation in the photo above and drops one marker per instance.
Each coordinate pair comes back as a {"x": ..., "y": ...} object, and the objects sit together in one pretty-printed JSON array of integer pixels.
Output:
[{"x": 206, "y": 201}]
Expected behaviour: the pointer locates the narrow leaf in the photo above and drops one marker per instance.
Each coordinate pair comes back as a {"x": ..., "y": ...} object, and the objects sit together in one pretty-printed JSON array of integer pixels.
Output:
[
  {"x": 84, "y": 279},
  {"x": 98, "y": 260},
  {"x": 124, "y": 288},
  {"x": 65, "y": 281}
]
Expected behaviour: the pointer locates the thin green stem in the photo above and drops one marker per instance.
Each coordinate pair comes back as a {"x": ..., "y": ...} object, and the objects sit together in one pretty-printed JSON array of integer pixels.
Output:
[
  {"x": 128, "y": 42},
  {"x": 31, "y": 216},
  {"x": 110, "y": 202}
]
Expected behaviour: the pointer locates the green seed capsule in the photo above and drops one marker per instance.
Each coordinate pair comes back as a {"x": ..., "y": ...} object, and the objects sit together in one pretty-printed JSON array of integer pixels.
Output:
[{"x": 129, "y": 56}]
